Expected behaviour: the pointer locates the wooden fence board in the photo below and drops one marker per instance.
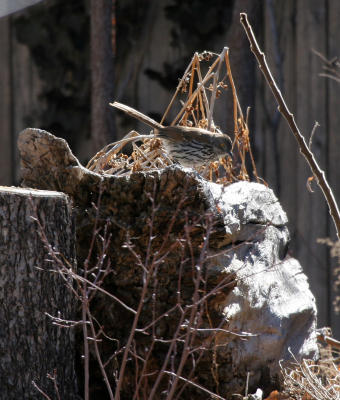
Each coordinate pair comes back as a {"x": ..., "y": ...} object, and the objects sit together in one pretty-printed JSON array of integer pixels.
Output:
[
  {"x": 311, "y": 99},
  {"x": 6, "y": 177},
  {"x": 19, "y": 91},
  {"x": 291, "y": 29},
  {"x": 288, "y": 152},
  {"x": 333, "y": 115},
  {"x": 25, "y": 94}
]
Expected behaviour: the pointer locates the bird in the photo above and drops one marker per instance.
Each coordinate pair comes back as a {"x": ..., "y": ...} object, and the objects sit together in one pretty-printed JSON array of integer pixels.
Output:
[{"x": 189, "y": 146}]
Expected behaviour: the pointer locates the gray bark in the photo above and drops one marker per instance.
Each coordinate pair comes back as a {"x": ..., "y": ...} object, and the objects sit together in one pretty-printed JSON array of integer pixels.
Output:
[{"x": 30, "y": 345}]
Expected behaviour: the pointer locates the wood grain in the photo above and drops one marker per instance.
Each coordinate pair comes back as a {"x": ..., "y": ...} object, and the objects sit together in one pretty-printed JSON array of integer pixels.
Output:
[{"x": 6, "y": 146}]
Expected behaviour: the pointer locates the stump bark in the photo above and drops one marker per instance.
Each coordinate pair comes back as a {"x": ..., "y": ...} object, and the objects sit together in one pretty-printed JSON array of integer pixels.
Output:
[
  {"x": 30, "y": 288},
  {"x": 208, "y": 294}
]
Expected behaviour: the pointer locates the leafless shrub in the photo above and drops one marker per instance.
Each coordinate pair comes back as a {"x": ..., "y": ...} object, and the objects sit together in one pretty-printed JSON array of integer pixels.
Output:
[{"x": 192, "y": 336}]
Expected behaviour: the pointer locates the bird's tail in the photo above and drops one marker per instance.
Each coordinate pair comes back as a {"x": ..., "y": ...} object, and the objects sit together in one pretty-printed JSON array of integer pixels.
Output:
[
  {"x": 134, "y": 139},
  {"x": 138, "y": 115}
]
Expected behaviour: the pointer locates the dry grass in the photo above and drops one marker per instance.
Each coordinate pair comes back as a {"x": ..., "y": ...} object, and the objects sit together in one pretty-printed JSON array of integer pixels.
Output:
[
  {"x": 310, "y": 380},
  {"x": 197, "y": 94}
]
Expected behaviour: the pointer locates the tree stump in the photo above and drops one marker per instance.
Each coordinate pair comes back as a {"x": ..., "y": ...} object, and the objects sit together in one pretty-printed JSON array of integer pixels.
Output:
[
  {"x": 203, "y": 295},
  {"x": 31, "y": 346}
]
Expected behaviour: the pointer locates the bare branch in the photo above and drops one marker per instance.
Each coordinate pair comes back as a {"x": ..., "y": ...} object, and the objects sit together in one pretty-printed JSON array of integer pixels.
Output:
[
  {"x": 282, "y": 107},
  {"x": 213, "y": 395},
  {"x": 40, "y": 391}
]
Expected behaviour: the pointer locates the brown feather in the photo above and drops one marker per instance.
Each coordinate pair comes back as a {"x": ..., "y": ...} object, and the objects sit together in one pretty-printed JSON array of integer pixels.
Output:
[{"x": 138, "y": 115}]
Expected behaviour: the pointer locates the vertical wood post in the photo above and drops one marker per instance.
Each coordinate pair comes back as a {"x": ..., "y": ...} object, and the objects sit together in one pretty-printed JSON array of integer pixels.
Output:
[{"x": 102, "y": 74}]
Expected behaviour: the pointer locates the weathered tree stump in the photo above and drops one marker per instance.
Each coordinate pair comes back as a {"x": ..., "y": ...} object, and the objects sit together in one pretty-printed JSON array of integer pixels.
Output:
[
  {"x": 30, "y": 345},
  {"x": 204, "y": 269}
]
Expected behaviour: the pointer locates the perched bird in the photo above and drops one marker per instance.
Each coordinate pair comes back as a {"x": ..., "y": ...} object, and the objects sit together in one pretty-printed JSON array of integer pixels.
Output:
[{"x": 191, "y": 147}]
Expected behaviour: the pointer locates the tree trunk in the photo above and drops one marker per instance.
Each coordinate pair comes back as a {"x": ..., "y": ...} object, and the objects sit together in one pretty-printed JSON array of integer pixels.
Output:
[
  {"x": 31, "y": 346},
  {"x": 102, "y": 73}
]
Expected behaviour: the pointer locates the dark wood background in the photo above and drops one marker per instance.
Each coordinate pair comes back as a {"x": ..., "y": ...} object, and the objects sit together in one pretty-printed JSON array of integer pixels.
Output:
[{"x": 288, "y": 31}]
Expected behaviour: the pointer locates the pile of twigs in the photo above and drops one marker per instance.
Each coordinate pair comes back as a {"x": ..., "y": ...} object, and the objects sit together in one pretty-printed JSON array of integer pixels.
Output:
[
  {"x": 308, "y": 380},
  {"x": 111, "y": 160},
  {"x": 197, "y": 95}
]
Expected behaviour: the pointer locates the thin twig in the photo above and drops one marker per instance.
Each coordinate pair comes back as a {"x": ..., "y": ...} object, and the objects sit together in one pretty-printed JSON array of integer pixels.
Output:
[
  {"x": 213, "y": 395},
  {"x": 40, "y": 391},
  {"x": 177, "y": 89},
  {"x": 324, "y": 75},
  {"x": 329, "y": 340},
  {"x": 202, "y": 93},
  {"x": 316, "y": 125},
  {"x": 53, "y": 378},
  {"x": 195, "y": 312},
  {"x": 214, "y": 92},
  {"x": 282, "y": 107},
  {"x": 98, "y": 356},
  {"x": 193, "y": 96}
]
